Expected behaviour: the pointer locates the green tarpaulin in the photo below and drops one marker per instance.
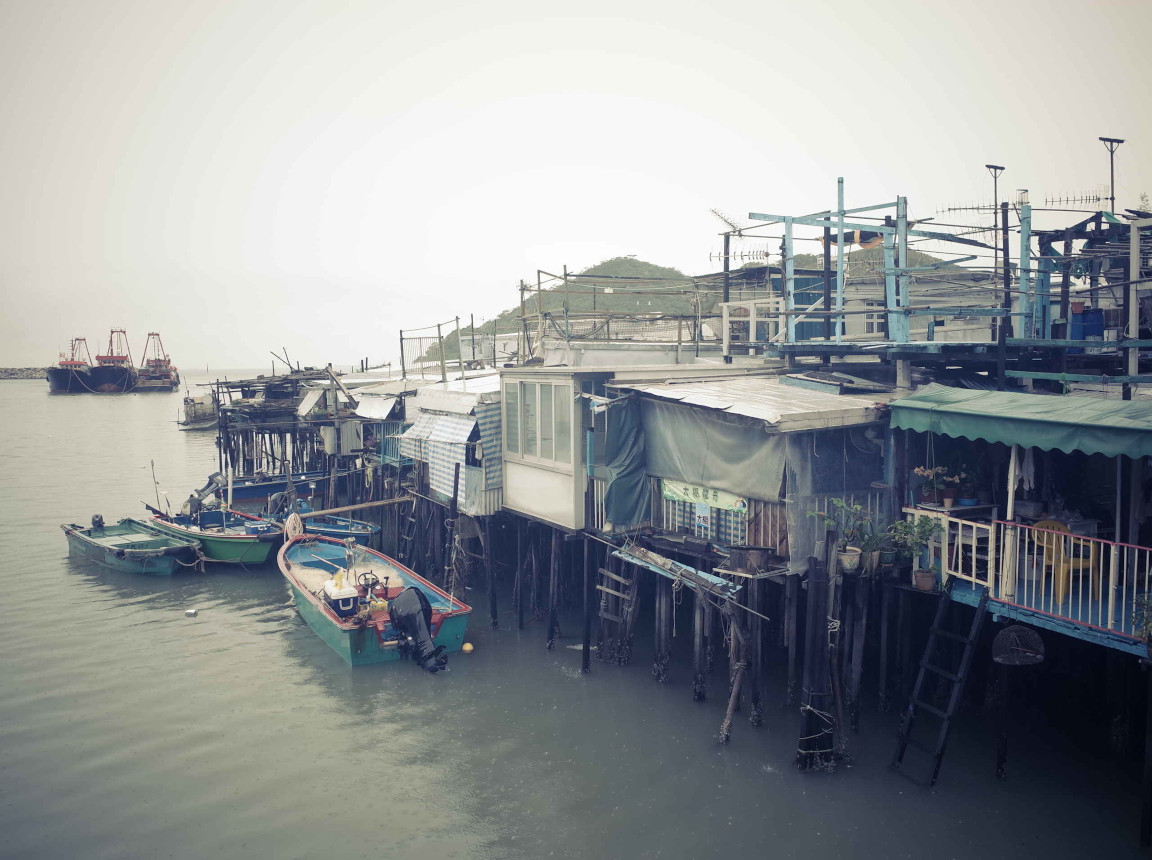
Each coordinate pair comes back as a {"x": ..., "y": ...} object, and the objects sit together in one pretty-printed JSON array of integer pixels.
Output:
[{"x": 1069, "y": 423}]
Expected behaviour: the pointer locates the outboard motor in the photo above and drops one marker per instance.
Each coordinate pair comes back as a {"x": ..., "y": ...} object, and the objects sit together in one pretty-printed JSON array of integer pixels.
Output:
[
  {"x": 411, "y": 616},
  {"x": 97, "y": 521}
]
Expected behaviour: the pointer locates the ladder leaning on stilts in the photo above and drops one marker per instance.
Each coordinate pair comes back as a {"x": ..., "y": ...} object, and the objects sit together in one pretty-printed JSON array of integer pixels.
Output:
[
  {"x": 407, "y": 533},
  {"x": 953, "y": 681},
  {"x": 617, "y": 611}
]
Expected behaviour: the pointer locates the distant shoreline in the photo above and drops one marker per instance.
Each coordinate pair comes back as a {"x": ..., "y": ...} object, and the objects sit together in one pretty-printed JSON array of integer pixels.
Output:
[{"x": 23, "y": 372}]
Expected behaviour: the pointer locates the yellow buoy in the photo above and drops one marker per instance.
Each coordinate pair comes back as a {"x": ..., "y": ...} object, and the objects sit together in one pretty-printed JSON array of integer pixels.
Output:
[{"x": 466, "y": 647}]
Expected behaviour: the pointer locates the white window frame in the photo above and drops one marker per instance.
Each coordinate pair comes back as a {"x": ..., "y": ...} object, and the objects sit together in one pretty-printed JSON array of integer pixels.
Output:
[{"x": 561, "y": 393}]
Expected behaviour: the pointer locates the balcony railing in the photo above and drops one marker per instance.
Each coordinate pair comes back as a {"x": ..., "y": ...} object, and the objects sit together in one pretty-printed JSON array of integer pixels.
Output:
[{"x": 1086, "y": 580}]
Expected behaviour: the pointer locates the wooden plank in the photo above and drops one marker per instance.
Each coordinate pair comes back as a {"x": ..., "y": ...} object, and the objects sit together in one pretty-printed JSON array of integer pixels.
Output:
[
  {"x": 610, "y": 591},
  {"x": 378, "y": 504},
  {"x": 611, "y": 575}
]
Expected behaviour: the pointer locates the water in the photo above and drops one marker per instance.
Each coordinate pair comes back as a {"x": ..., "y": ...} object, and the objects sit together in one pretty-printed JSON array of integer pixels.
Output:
[{"x": 129, "y": 730}]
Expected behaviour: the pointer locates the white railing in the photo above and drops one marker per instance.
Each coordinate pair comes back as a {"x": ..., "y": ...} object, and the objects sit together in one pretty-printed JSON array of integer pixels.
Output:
[{"x": 1089, "y": 581}]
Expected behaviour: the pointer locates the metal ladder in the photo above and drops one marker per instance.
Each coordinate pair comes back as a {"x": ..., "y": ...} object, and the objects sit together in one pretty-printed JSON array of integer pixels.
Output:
[{"x": 917, "y": 706}]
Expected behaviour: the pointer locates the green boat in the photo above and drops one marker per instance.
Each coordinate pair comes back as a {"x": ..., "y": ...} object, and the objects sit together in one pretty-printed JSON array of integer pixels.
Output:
[
  {"x": 368, "y": 607},
  {"x": 229, "y": 537},
  {"x": 131, "y": 546}
]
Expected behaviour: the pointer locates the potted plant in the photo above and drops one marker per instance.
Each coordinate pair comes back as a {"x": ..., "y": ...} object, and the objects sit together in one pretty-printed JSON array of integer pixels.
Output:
[
  {"x": 911, "y": 536},
  {"x": 1142, "y": 616},
  {"x": 849, "y": 521},
  {"x": 871, "y": 548}
]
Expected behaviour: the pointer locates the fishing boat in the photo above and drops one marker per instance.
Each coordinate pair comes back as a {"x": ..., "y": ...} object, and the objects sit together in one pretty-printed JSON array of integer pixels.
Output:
[
  {"x": 200, "y": 413},
  {"x": 368, "y": 607},
  {"x": 262, "y": 485},
  {"x": 131, "y": 545},
  {"x": 114, "y": 371},
  {"x": 227, "y": 536},
  {"x": 73, "y": 373},
  {"x": 281, "y": 505},
  {"x": 157, "y": 373}
]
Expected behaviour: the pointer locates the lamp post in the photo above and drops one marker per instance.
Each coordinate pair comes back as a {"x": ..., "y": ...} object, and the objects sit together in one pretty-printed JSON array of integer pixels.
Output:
[
  {"x": 1112, "y": 143},
  {"x": 995, "y": 170}
]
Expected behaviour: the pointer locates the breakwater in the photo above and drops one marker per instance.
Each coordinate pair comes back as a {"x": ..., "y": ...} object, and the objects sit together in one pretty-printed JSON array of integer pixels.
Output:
[{"x": 22, "y": 372}]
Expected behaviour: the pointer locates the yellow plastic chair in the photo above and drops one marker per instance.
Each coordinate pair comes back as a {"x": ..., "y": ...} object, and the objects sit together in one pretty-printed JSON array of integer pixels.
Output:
[{"x": 1057, "y": 556}]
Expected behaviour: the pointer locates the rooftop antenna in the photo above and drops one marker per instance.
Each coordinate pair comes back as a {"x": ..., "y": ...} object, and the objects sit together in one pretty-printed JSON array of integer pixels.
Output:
[{"x": 733, "y": 228}]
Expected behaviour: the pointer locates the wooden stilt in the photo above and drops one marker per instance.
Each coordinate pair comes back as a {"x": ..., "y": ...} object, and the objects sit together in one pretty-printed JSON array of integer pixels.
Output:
[
  {"x": 589, "y": 604},
  {"x": 521, "y": 561},
  {"x": 739, "y": 667},
  {"x": 814, "y": 749},
  {"x": 791, "y": 633},
  {"x": 885, "y": 618},
  {"x": 553, "y": 590},
  {"x": 699, "y": 688},
  {"x": 859, "y": 637},
  {"x": 663, "y": 629},
  {"x": 490, "y": 569},
  {"x": 754, "y": 655},
  {"x": 1146, "y": 781},
  {"x": 903, "y": 645}
]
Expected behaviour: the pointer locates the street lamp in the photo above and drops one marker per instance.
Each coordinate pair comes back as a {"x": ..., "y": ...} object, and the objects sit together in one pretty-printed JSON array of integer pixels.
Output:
[
  {"x": 1112, "y": 143},
  {"x": 995, "y": 170}
]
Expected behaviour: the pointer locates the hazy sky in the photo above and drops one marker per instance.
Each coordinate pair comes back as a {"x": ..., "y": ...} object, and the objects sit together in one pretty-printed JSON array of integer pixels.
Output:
[{"x": 243, "y": 176}]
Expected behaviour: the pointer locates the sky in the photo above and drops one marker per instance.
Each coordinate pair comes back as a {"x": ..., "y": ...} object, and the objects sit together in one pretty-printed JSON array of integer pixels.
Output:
[{"x": 259, "y": 175}]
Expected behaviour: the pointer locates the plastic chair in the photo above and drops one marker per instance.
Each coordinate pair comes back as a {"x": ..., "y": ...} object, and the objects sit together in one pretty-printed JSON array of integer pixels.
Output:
[{"x": 1057, "y": 556}]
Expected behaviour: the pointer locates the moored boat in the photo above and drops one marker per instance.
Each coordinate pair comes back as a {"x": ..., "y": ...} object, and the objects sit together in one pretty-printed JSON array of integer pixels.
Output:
[
  {"x": 73, "y": 373},
  {"x": 280, "y": 506},
  {"x": 261, "y": 486},
  {"x": 131, "y": 545},
  {"x": 157, "y": 373},
  {"x": 200, "y": 413},
  {"x": 368, "y": 607},
  {"x": 230, "y": 537},
  {"x": 114, "y": 371}
]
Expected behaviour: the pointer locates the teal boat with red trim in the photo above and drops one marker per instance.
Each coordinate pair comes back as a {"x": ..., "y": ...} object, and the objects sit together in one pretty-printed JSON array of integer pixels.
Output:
[
  {"x": 368, "y": 607},
  {"x": 229, "y": 537}
]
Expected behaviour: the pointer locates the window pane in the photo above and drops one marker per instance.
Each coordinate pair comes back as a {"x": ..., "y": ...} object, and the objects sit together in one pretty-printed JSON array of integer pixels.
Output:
[
  {"x": 563, "y": 412},
  {"x": 529, "y": 413},
  {"x": 512, "y": 417},
  {"x": 546, "y": 421}
]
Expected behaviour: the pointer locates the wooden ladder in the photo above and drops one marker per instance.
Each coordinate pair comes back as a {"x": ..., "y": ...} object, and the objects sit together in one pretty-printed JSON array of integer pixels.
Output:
[
  {"x": 615, "y": 596},
  {"x": 955, "y": 679},
  {"x": 407, "y": 533}
]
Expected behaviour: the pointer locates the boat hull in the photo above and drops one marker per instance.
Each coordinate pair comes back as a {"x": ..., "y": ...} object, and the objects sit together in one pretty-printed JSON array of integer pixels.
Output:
[
  {"x": 163, "y": 385},
  {"x": 66, "y": 380},
  {"x": 132, "y": 555},
  {"x": 225, "y": 548},
  {"x": 202, "y": 424},
  {"x": 305, "y": 483},
  {"x": 110, "y": 379}
]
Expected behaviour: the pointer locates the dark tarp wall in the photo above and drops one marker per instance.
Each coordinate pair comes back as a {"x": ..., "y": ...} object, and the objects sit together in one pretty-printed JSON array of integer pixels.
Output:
[
  {"x": 628, "y": 497},
  {"x": 713, "y": 449}
]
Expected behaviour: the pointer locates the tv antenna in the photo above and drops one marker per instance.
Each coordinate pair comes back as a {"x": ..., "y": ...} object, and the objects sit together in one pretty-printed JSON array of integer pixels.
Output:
[{"x": 734, "y": 226}]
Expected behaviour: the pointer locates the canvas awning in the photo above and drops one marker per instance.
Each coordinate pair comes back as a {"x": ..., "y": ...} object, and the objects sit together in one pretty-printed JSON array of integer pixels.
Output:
[
  {"x": 1065, "y": 423},
  {"x": 375, "y": 407}
]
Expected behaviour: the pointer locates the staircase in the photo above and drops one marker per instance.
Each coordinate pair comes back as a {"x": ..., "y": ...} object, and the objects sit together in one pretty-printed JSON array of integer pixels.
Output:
[{"x": 951, "y": 683}]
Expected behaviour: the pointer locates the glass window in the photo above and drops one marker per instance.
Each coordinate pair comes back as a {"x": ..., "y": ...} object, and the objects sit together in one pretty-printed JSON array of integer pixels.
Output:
[
  {"x": 512, "y": 417},
  {"x": 546, "y": 448},
  {"x": 530, "y": 416},
  {"x": 563, "y": 413}
]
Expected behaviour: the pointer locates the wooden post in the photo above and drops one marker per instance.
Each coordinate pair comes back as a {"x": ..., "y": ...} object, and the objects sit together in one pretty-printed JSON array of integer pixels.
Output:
[
  {"x": 815, "y": 744},
  {"x": 791, "y": 637},
  {"x": 1146, "y": 781},
  {"x": 753, "y": 658},
  {"x": 885, "y": 600},
  {"x": 518, "y": 587},
  {"x": 663, "y": 629},
  {"x": 490, "y": 567},
  {"x": 589, "y": 601},
  {"x": 737, "y": 650},
  {"x": 699, "y": 688},
  {"x": 553, "y": 590},
  {"x": 860, "y": 636}
]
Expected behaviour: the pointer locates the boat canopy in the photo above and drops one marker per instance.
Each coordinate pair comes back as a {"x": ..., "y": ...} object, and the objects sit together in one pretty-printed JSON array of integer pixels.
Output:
[{"x": 1065, "y": 423}]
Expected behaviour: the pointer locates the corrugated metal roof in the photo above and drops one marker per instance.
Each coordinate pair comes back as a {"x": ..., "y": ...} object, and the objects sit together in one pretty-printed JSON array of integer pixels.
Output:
[{"x": 785, "y": 407}]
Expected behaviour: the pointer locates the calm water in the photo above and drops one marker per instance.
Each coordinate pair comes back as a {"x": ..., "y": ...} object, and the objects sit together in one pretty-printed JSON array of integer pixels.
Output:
[{"x": 129, "y": 730}]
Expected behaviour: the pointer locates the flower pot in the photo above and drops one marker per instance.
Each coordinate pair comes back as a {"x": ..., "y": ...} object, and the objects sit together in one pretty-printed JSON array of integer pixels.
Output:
[
  {"x": 873, "y": 561},
  {"x": 887, "y": 556},
  {"x": 948, "y": 494},
  {"x": 924, "y": 580},
  {"x": 968, "y": 501},
  {"x": 1076, "y": 307},
  {"x": 928, "y": 496},
  {"x": 849, "y": 559},
  {"x": 948, "y": 501}
]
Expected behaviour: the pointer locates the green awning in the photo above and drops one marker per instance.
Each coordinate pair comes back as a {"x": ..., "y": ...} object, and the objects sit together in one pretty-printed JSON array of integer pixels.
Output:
[{"x": 1066, "y": 423}]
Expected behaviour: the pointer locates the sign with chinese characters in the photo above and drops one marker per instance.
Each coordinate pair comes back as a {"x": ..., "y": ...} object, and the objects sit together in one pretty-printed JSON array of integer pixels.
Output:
[{"x": 678, "y": 491}]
